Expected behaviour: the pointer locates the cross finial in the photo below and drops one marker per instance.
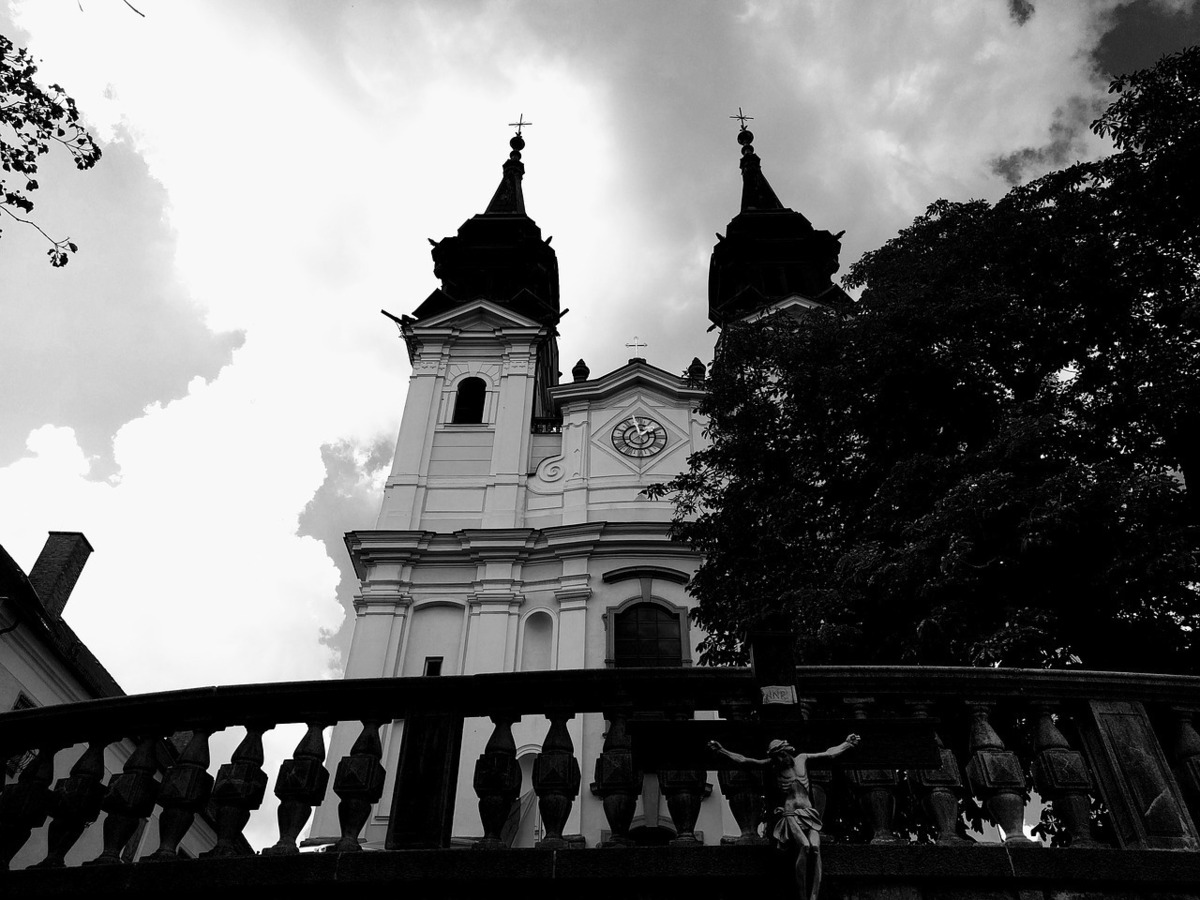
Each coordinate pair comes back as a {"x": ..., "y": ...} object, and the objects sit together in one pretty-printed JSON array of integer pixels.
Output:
[
  {"x": 742, "y": 118},
  {"x": 637, "y": 342},
  {"x": 521, "y": 123}
]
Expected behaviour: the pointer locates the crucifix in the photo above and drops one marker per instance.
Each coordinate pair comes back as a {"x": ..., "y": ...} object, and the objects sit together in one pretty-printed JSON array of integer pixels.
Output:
[
  {"x": 793, "y": 778},
  {"x": 521, "y": 123},
  {"x": 637, "y": 343},
  {"x": 742, "y": 118}
]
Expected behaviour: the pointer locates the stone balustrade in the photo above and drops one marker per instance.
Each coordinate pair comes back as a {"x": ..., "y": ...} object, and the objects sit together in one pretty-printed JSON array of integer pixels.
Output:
[{"x": 1105, "y": 765}]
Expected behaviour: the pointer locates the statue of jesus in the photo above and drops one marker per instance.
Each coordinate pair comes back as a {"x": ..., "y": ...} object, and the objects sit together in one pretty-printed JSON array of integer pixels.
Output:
[{"x": 799, "y": 822}]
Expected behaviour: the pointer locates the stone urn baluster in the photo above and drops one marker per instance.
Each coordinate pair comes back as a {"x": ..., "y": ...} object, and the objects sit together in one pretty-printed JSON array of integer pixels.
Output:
[
  {"x": 685, "y": 790},
  {"x": 618, "y": 784},
  {"x": 556, "y": 780},
  {"x": 128, "y": 800},
  {"x": 997, "y": 776},
  {"x": 300, "y": 786},
  {"x": 239, "y": 789},
  {"x": 497, "y": 781},
  {"x": 359, "y": 784},
  {"x": 874, "y": 788},
  {"x": 75, "y": 804},
  {"x": 938, "y": 789},
  {"x": 1185, "y": 755},
  {"x": 1061, "y": 776},
  {"x": 185, "y": 790},
  {"x": 25, "y": 805},
  {"x": 743, "y": 788}
]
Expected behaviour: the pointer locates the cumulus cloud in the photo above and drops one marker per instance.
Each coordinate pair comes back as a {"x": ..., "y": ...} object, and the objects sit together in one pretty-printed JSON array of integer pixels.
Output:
[
  {"x": 1066, "y": 142},
  {"x": 1020, "y": 10}
]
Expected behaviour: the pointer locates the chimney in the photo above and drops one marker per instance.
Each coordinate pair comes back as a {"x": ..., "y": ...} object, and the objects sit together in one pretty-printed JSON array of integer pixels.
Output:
[{"x": 57, "y": 569}]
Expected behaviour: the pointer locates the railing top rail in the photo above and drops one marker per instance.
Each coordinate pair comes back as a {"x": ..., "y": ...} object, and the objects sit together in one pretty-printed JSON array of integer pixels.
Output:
[
  {"x": 576, "y": 691},
  {"x": 932, "y": 682}
]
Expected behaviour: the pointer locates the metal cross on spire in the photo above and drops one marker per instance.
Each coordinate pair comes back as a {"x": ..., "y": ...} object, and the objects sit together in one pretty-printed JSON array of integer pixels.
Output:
[
  {"x": 521, "y": 123},
  {"x": 742, "y": 118},
  {"x": 637, "y": 342}
]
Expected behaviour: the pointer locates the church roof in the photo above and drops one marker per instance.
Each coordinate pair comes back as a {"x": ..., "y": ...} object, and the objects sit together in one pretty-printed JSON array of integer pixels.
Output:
[
  {"x": 769, "y": 252},
  {"x": 498, "y": 255},
  {"x": 637, "y": 372}
]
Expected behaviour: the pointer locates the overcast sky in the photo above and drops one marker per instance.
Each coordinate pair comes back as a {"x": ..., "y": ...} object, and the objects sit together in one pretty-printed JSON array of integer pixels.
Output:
[{"x": 208, "y": 390}]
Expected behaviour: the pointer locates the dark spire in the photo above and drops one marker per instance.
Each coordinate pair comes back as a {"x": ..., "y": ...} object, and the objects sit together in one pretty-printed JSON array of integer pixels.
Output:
[
  {"x": 508, "y": 199},
  {"x": 769, "y": 252},
  {"x": 756, "y": 192},
  {"x": 498, "y": 255}
]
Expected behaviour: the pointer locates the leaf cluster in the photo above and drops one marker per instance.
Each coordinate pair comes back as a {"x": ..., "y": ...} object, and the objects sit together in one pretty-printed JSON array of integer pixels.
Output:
[
  {"x": 987, "y": 460},
  {"x": 32, "y": 120}
]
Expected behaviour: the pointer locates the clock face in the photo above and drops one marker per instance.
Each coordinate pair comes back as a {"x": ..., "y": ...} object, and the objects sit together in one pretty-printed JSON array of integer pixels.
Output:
[{"x": 639, "y": 437}]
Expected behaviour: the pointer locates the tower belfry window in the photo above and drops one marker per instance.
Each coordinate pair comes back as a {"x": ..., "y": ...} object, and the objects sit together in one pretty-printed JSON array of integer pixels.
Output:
[{"x": 468, "y": 402}]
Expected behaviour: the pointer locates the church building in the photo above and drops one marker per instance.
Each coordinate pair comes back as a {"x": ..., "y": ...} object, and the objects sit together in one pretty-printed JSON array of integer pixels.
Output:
[{"x": 514, "y": 533}]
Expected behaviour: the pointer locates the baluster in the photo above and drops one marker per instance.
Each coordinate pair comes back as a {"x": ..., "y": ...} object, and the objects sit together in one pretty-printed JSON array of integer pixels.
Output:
[
  {"x": 25, "y": 805},
  {"x": 185, "y": 790},
  {"x": 359, "y": 784},
  {"x": 820, "y": 780},
  {"x": 129, "y": 799},
  {"x": 997, "y": 776},
  {"x": 938, "y": 789},
  {"x": 497, "y": 781},
  {"x": 75, "y": 804},
  {"x": 684, "y": 789},
  {"x": 617, "y": 783},
  {"x": 556, "y": 779},
  {"x": 1061, "y": 776},
  {"x": 238, "y": 791},
  {"x": 1185, "y": 754},
  {"x": 300, "y": 786},
  {"x": 875, "y": 788},
  {"x": 743, "y": 788}
]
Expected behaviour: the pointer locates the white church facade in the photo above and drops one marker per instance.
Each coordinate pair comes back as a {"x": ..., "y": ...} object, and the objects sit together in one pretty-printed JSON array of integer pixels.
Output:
[{"x": 514, "y": 532}]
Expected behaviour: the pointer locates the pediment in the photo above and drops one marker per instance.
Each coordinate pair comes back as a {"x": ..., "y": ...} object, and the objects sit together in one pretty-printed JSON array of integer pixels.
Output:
[
  {"x": 478, "y": 315},
  {"x": 636, "y": 374}
]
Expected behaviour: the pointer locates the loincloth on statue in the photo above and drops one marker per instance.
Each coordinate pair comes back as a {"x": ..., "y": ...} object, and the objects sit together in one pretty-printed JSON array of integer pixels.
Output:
[{"x": 804, "y": 818}]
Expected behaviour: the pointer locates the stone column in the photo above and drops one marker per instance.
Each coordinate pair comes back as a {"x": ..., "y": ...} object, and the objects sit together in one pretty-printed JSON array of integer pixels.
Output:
[
  {"x": 618, "y": 784},
  {"x": 998, "y": 777}
]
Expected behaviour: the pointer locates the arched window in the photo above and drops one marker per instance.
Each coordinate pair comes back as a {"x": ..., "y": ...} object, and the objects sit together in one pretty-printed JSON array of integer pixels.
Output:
[
  {"x": 468, "y": 402},
  {"x": 646, "y": 634}
]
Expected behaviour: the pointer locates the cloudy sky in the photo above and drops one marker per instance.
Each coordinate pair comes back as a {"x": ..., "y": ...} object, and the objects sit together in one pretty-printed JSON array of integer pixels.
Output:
[{"x": 208, "y": 390}]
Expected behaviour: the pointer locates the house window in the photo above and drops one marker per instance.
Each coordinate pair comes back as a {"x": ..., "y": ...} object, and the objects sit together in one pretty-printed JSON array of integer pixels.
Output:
[
  {"x": 646, "y": 634},
  {"x": 433, "y": 665},
  {"x": 468, "y": 402}
]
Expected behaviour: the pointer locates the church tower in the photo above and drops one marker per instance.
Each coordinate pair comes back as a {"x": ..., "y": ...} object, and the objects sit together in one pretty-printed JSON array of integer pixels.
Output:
[
  {"x": 514, "y": 533},
  {"x": 770, "y": 257}
]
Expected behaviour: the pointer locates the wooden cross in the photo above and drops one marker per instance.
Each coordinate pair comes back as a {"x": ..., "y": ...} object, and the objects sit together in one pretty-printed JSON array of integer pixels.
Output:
[
  {"x": 741, "y": 117},
  {"x": 637, "y": 342},
  {"x": 886, "y": 743},
  {"x": 521, "y": 123}
]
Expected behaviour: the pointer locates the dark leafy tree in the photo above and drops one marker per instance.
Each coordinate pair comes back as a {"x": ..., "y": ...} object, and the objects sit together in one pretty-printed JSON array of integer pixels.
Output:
[
  {"x": 32, "y": 120},
  {"x": 993, "y": 458}
]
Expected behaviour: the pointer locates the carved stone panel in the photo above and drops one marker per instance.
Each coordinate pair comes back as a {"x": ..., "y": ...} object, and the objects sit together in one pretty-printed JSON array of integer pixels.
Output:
[{"x": 1135, "y": 780}]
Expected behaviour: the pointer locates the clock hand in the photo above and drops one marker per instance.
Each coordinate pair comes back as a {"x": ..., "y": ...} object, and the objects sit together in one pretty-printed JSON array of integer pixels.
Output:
[{"x": 637, "y": 425}]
